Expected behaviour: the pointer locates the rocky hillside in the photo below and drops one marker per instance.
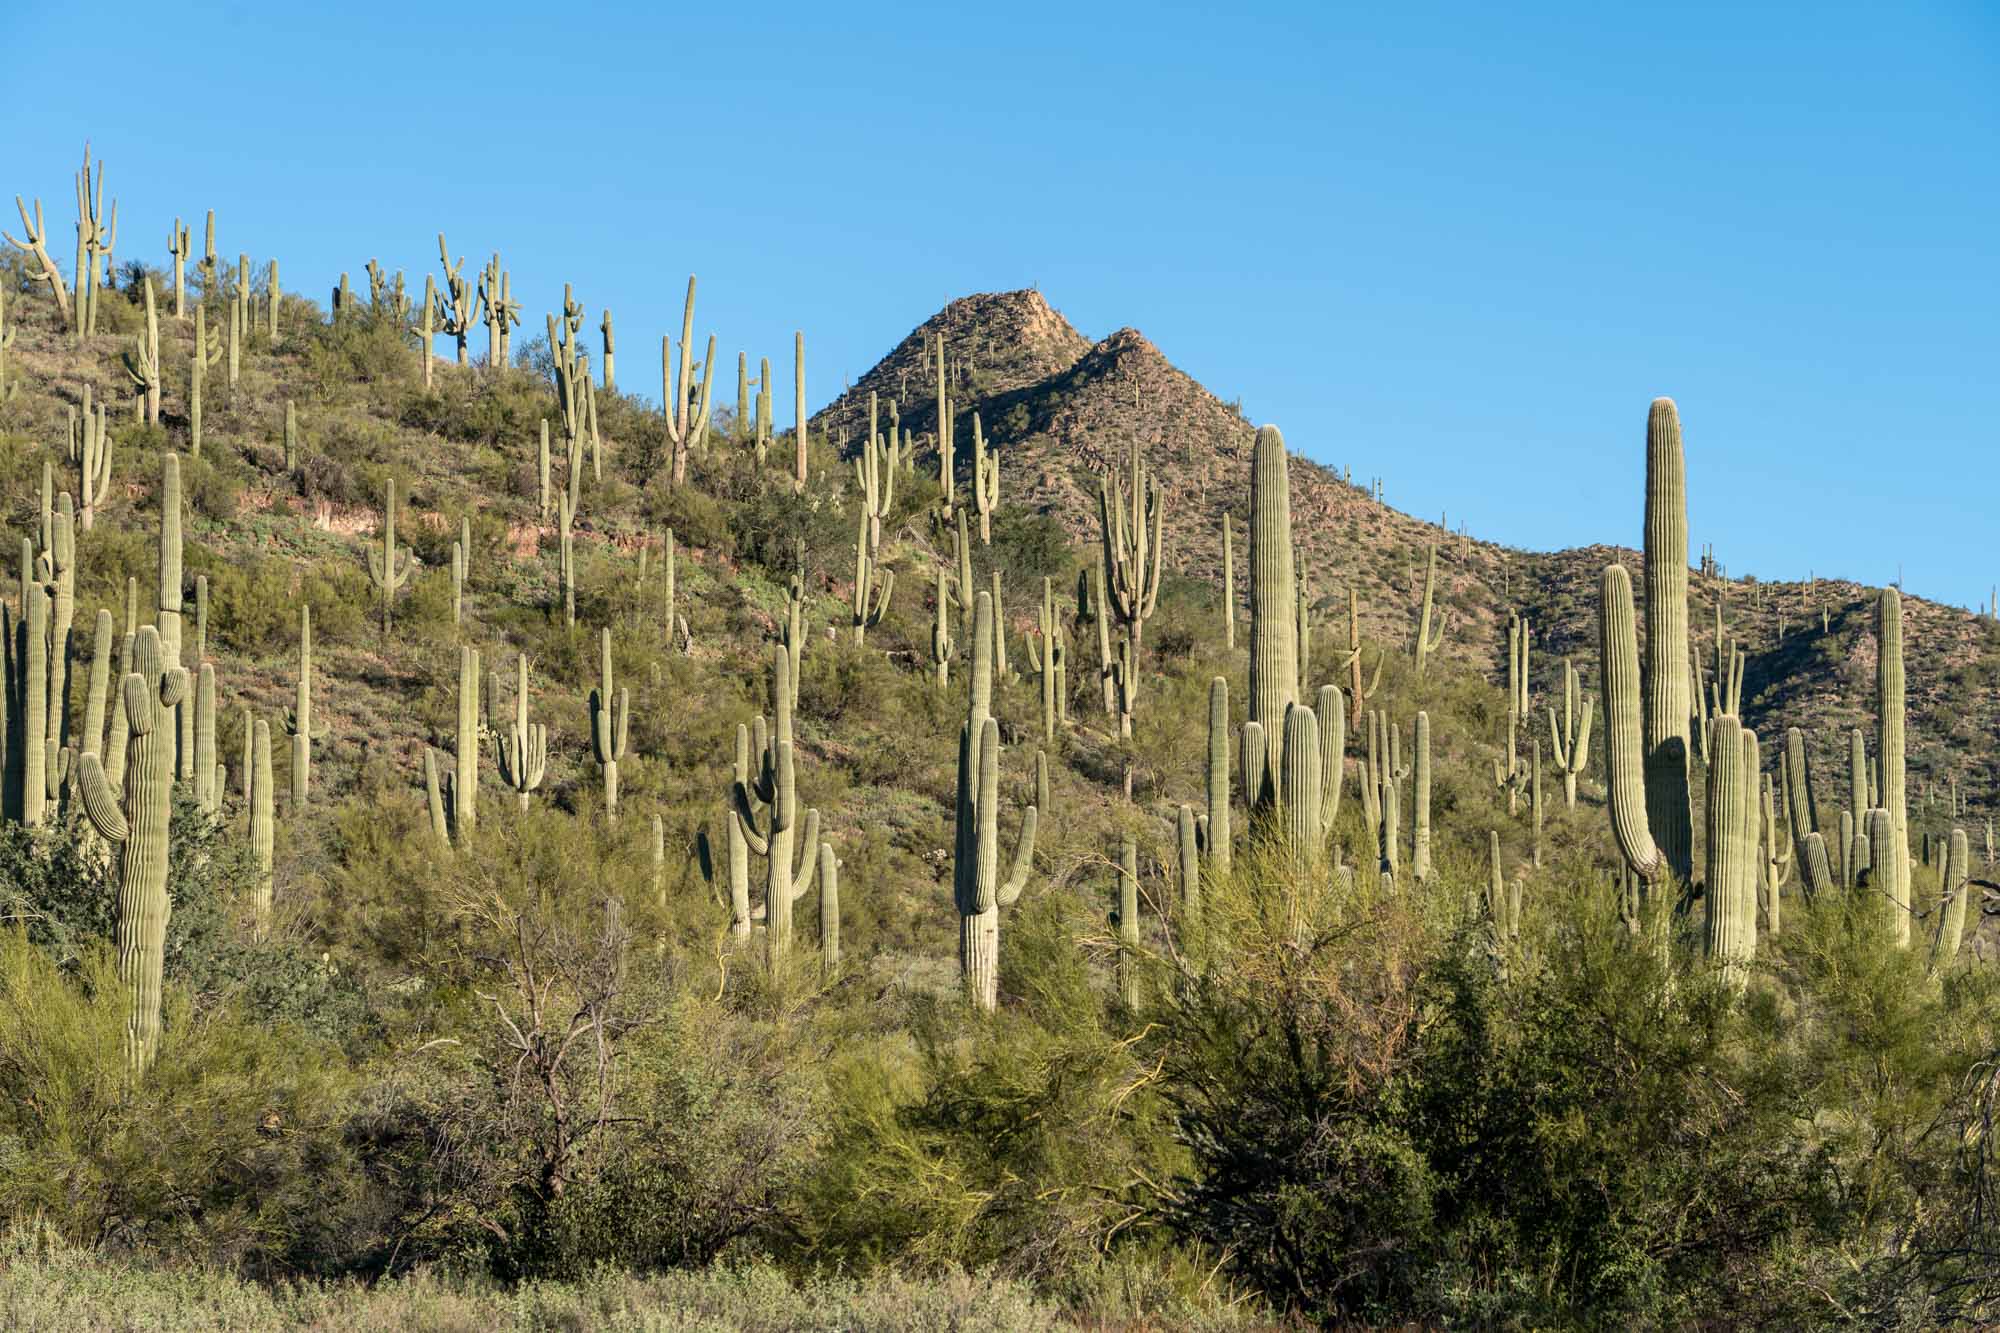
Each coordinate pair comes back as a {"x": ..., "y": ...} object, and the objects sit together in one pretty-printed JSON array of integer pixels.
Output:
[{"x": 1059, "y": 410}]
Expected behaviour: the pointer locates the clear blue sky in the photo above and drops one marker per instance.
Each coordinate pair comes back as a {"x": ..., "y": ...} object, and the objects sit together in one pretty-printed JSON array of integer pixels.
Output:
[{"x": 1457, "y": 245}]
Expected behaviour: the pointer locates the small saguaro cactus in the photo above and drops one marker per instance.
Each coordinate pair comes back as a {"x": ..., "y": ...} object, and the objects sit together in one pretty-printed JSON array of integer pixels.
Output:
[
  {"x": 873, "y": 586},
  {"x": 1427, "y": 642},
  {"x": 136, "y": 820},
  {"x": 1042, "y": 657},
  {"x": 524, "y": 751},
  {"x": 461, "y": 559},
  {"x": 298, "y": 719},
  {"x": 1213, "y": 827},
  {"x": 610, "y": 725},
  {"x": 1777, "y": 857},
  {"x": 978, "y": 892},
  {"x": 985, "y": 481},
  {"x": 389, "y": 568},
  {"x": 829, "y": 910},
  {"x": 772, "y": 786},
  {"x": 1569, "y": 736}
]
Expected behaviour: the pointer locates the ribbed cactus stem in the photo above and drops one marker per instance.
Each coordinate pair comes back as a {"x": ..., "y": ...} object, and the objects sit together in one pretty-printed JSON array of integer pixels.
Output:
[
  {"x": 610, "y": 721},
  {"x": 1802, "y": 816},
  {"x": 1217, "y": 836},
  {"x": 137, "y": 820},
  {"x": 1668, "y": 700},
  {"x": 298, "y": 723},
  {"x": 263, "y": 820},
  {"x": 738, "y": 844},
  {"x": 978, "y": 891},
  {"x": 1420, "y": 855},
  {"x": 1427, "y": 642},
  {"x": 1127, "y": 919},
  {"x": 1957, "y": 897},
  {"x": 1274, "y": 650},
  {"x": 524, "y": 750},
  {"x": 207, "y": 793},
  {"x": 1625, "y": 763},
  {"x": 1569, "y": 737},
  {"x": 465, "y": 774},
  {"x": 829, "y": 910},
  {"x": 33, "y": 655},
  {"x": 1889, "y": 713},
  {"x": 1187, "y": 847},
  {"x": 1228, "y": 583},
  {"x": 1299, "y": 784},
  {"x": 389, "y": 568},
  {"x": 1731, "y": 872}
]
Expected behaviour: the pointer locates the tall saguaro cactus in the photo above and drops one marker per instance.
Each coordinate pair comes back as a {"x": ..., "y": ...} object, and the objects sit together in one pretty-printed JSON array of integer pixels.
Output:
[
  {"x": 772, "y": 785},
  {"x": 977, "y": 889},
  {"x": 1427, "y": 642},
  {"x": 1274, "y": 648},
  {"x": 1892, "y": 862},
  {"x": 1133, "y": 546},
  {"x": 1667, "y": 685},
  {"x": 610, "y": 721},
  {"x": 136, "y": 822},
  {"x": 684, "y": 399}
]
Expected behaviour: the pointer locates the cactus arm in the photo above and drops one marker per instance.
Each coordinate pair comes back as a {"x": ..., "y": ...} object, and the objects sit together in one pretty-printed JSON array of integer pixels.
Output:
[{"x": 100, "y": 802}]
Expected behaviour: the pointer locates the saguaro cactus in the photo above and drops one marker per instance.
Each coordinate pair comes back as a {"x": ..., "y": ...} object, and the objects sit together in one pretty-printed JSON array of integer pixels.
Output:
[
  {"x": 977, "y": 889},
  {"x": 1274, "y": 648},
  {"x": 684, "y": 399},
  {"x": 298, "y": 720},
  {"x": 610, "y": 722},
  {"x": 524, "y": 751},
  {"x": 1420, "y": 854},
  {"x": 829, "y": 910},
  {"x": 206, "y": 353},
  {"x": 1214, "y": 827},
  {"x": 774, "y": 787},
  {"x": 142, "y": 363},
  {"x": 465, "y": 774},
  {"x": 1957, "y": 896},
  {"x": 136, "y": 821},
  {"x": 1893, "y": 859},
  {"x": 1132, "y": 552},
  {"x": 36, "y": 245},
  {"x": 1126, "y": 918},
  {"x": 1666, "y": 684},
  {"x": 1731, "y": 890},
  {"x": 1802, "y": 814},
  {"x": 985, "y": 481},
  {"x": 1569, "y": 738},
  {"x": 389, "y": 569},
  {"x": 263, "y": 820},
  {"x": 1427, "y": 642}
]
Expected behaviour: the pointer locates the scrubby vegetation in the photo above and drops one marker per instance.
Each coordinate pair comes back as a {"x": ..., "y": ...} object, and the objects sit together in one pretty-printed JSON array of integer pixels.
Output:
[{"x": 1417, "y": 1042}]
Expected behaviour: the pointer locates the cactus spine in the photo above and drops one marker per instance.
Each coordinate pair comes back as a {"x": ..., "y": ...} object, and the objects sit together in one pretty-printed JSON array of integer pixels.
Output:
[
  {"x": 1569, "y": 738},
  {"x": 524, "y": 751},
  {"x": 389, "y": 569},
  {"x": 136, "y": 820},
  {"x": 610, "y": 723},
  {"x": 1427, "y": 642},
  {"x": 1274, "y": 649},
  {"x": 977, "y": 889}
]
